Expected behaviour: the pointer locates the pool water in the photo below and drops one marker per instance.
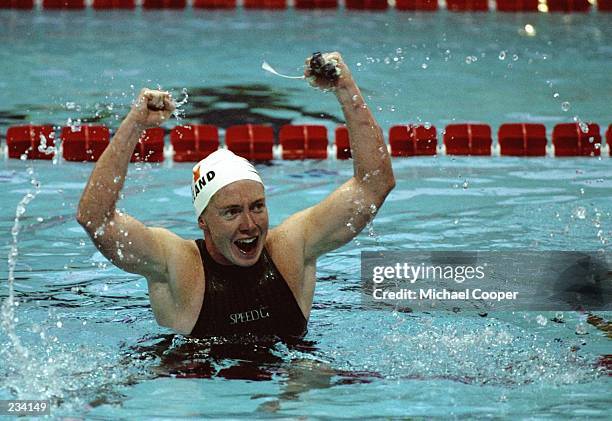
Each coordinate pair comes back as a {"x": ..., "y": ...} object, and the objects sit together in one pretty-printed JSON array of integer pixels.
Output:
[
  {"x": 439, "y": 68},
  {"x": 89, "y": 341},
  {"x": 93, "y": 342}
]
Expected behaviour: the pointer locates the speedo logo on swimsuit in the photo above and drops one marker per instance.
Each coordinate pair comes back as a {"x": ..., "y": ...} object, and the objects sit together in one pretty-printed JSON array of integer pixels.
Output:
[
  {"x": 200, "y": 181},
  {"x": 249, "y": 316}
]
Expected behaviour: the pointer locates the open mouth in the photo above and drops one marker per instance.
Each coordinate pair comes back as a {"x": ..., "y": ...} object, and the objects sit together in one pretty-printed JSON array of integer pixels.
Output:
[{"x": 247, "y": 245}]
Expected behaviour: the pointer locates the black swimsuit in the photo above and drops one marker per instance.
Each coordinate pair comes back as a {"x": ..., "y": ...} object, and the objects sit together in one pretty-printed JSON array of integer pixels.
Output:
[{"x": 247, "y": 300}]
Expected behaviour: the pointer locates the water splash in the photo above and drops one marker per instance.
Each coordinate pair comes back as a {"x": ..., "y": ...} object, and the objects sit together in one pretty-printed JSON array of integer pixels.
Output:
[
  {"x": 35, "y": 363},
  {"x": 179, "y": 112},
  {"x": 75, "y": 125},
  {"x": 475, "y": 351},
  {"x": 51, "y": 149},
  {"x": 9, "y": 305}
]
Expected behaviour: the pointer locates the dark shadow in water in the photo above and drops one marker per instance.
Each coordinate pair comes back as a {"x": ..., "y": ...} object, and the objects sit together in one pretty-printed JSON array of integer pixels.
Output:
[
  {"x": 222, "y": 106},
  {"x": 8, "y": 118},
  {"x": 242, "y": 358},
  {"x": 239, "y": 357},
  {"x": 249, "y": 99}
]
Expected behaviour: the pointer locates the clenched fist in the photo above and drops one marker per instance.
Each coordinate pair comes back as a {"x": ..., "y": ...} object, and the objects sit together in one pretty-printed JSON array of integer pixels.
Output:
[
  {"x": 318, "y": 81},
  {"x": 152, "y": 108}
]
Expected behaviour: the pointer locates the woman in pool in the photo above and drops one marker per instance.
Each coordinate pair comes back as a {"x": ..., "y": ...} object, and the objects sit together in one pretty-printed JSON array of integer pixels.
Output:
[{"x": 241, "y": 279}]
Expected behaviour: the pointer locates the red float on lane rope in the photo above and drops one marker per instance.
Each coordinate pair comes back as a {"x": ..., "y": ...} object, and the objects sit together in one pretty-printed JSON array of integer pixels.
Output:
[
  {"x": 17, "y": 4},
  {"x": 343, "y": 146},
  {"x": 467, "y": 5},
  {"x": 517, "y": 5},
  {"x": 64, "y": 4},
  {"x": 366, "y": 4},
  {"x": 316, "y": 4},
  {"x": 468, "y": 139},
  {"x": 304, "y": 141},
  {"x": 85, "y": 143},
  {"x": 113, "y": 4},
  {"x": 569, "y": 140},
  {"x": 250, "y": 141},
  {"x": 265, "y": 4},
  {"x": 413, "y": 140},
  {"x": 522, "y": 139},
  {"x": 150, "y": 146},
  {"x": 164, "y": 4},
  {"x": 27, "y": 139},
  {"x": 194, "y": 142},
  {"x": 214, "y": 4},
  {"x": 604, "y": 5},
  {"x": 414, "y": 5},
  {"x": 568, "y": 5}
]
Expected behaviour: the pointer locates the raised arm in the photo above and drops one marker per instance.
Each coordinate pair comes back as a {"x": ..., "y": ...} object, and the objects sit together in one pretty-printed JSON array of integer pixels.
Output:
[
  {"x": 126, "y": 242},
  {"x": 347, "y": 210}
]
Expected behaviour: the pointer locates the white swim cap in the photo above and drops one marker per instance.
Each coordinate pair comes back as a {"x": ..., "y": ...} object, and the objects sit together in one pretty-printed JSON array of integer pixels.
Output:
[{"x": 216, "y": 171}]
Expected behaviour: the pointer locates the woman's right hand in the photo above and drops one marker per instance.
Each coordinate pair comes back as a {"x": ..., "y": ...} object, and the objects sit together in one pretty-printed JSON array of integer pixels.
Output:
[{"x": 151, "y": 108}]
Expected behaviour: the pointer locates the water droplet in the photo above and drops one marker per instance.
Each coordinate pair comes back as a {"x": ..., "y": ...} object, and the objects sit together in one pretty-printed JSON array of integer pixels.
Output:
[
  {"x": 515, "y": 57},
  {"x": 565, "y": 106},
  {"x": 580, "y": 212},
  {"x": 542, "y": 321},
  {"x": 556, "y": 95},
  {"x": 581, "y": 329},
  {"x": 424, "y": 66},
  {"x": 465, "y": 185},
  {"x": 59, "y": 324},
  {"x": 584, "y": 128},
  {"x": 502, "y": 55}
]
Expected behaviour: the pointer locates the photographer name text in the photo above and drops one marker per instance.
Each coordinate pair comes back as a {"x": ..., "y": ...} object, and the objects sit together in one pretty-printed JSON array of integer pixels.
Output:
[{"x": 442, "y": 294}]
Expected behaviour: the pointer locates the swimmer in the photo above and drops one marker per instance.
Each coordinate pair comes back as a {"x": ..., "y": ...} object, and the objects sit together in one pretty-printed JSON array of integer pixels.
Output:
[{"x": 242, "y": 277}]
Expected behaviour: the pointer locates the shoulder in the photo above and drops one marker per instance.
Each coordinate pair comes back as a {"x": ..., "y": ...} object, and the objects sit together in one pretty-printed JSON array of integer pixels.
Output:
[
  {"x": 286, "y": 243},
  {"x": 288, "y": 237},
  {"x": 177, "y": 250}
]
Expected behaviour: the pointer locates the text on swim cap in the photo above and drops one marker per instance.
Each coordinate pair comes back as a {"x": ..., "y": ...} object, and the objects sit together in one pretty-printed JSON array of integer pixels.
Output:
[{"x": 199, "y": 185}]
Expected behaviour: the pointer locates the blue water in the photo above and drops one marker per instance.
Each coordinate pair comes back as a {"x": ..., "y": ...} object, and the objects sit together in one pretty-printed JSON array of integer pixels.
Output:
[
  {"x": 110, "y": 359},
  {"x": 91, "y": 342},
  {"x": 436, "y": 68}
]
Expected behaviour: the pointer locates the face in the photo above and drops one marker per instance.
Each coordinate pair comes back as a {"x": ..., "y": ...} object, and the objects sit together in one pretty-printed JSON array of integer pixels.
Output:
[{"x": 235, "y": 223}]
